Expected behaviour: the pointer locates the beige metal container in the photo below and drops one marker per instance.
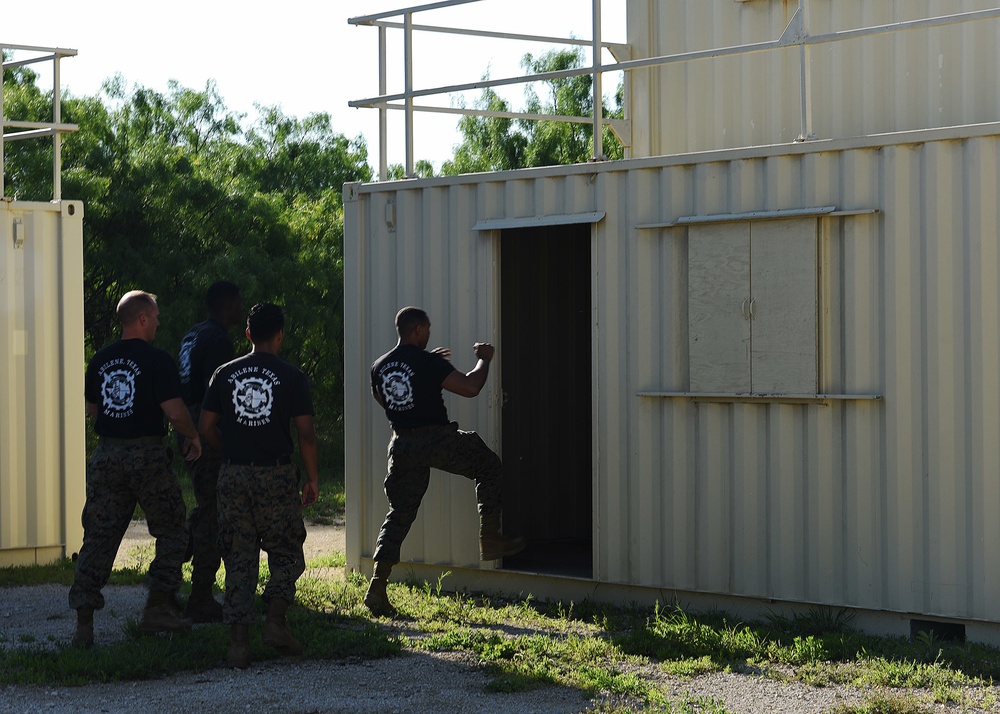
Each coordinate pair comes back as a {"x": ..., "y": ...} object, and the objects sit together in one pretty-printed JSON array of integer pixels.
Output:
[
  {"x": 915, "y": 79},
  {"x": 868, "y": 481},
  {"x": 42, "y": 449}
]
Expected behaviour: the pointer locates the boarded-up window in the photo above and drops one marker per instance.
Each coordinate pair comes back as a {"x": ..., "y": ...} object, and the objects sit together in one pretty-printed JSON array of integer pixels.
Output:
[{"x": 752, "y": 307}]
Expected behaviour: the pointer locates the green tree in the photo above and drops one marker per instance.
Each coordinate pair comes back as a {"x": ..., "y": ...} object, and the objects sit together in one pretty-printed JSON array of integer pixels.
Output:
[
  {"x": 498, "y": 144},
  {"x": 422, "y": 168},
  {"x": 178, "y": 194},
  {"x": 488, "y": 143}
]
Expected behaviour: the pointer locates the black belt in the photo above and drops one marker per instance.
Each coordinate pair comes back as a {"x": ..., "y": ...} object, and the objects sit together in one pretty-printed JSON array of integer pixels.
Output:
[
  {"x": 279, "y": 461},
  {"x": 113, "y": 440}
]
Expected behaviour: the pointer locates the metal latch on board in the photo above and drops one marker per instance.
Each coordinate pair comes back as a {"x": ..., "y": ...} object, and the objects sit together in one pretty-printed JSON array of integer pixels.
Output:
[{"x": 18, "y": 234}]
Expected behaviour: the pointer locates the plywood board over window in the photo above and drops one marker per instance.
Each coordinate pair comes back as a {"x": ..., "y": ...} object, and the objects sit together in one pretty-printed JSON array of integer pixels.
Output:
[{"x": 752, "y": 299}]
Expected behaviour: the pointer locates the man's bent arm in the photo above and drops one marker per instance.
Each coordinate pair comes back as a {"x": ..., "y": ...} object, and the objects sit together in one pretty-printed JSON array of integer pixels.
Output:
[{"x": 471, "y": 384}]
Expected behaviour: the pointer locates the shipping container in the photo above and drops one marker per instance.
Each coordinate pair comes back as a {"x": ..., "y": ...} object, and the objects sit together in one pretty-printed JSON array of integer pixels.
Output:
[
  {"x": 42, "y": 430},
  {"x": 749, "y": 367}
]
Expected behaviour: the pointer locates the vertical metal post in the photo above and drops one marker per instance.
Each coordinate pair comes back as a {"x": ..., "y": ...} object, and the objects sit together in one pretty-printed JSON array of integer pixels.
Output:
[
  {"x": 598, "y": 84},
  {"x": 408, "y": 89},
  {"x": 383, "y": 113},
  {"x": 57, "y": 135},
  {"x": 1, "y": 122},
  {"x": 805, "y": 78}
]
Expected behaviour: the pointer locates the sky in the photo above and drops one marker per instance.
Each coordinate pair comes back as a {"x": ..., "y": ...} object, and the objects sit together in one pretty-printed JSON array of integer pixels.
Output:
[{"x": 302, "y": 55}]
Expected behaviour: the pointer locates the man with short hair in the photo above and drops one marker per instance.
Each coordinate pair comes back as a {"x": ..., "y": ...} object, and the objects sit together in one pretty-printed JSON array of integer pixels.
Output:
[
  {"x": 130, "y": 386},
  {"x": 245, "y": 415},
  {"x": 204, "y": 348},
  {"x": 407, "y": 382}
]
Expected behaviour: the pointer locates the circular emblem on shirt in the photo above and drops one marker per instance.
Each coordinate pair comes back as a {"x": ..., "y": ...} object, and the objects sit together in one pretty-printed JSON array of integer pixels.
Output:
[
  {"x": 397, "y": 389},
  {"x": 118, "y": 391},
  {"x": 252, "y": 399}
]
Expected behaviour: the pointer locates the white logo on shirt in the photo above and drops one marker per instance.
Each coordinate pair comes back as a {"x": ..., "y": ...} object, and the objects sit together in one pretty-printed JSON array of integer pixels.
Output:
[
  {"x": 118, "y": 392},
  {"x": 253, "y": 398},
  {"x": 397, "y": 390},
  {"x": 184, "y": 369}
]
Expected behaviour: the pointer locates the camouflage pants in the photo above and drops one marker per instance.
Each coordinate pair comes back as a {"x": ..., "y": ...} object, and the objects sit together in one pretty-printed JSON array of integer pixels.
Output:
[
  {"x": 411, "y": 457},
  {"x": 203, "y": 521},
  {"x": 119, "y": 476},
  {"x": 259, "y": 508}
]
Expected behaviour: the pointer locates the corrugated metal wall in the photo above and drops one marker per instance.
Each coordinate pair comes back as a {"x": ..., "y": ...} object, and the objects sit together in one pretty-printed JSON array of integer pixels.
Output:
[
  {"x": 909, "y": 80},
  {"x": 885, "y": 504},
  {"x": 42, "y": 450}
]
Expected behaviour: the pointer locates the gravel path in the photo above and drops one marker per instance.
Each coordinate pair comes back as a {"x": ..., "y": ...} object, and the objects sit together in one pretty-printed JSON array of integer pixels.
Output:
[{"x": 414, "y": 682}]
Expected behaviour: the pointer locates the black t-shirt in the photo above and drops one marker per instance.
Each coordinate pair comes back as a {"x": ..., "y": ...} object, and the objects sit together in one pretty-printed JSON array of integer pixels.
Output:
[
  {"x": 128, "y": 380},
  {"x": 257, "y": 395},
  {"x": 205, "y": 348},
  {"x": 409, "y": 381}
]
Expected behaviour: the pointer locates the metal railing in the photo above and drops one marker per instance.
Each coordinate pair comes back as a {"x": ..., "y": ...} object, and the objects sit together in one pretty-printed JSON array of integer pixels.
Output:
[
  {"x": 385, "y": 102},
  {"x": 31, "y": 129},
  {"x": 794, "y": 34}
]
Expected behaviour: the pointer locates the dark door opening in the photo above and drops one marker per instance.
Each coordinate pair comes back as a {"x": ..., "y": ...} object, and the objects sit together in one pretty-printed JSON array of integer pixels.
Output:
[{"x": 546, "y": 377}]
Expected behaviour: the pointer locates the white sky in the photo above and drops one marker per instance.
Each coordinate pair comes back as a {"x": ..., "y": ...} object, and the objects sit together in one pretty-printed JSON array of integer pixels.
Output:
[{"x": 299, "y": 54}]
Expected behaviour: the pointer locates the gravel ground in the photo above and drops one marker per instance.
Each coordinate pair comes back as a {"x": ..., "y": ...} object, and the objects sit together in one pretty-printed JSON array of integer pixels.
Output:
[{"x": 417, "y": 681}]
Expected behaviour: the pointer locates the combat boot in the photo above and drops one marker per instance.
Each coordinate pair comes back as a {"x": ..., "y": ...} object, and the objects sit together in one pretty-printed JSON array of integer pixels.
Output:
[
  {"x": 276, "y": 632},
  {"x": 201, "y": 606},
  {"x": 376, "y": 599},
  {"x": 84, "y": 635},
  {"x": 493, "y": 544},
  {"x": 239, "y": 646},
  {"x": 160, "y": 615}
]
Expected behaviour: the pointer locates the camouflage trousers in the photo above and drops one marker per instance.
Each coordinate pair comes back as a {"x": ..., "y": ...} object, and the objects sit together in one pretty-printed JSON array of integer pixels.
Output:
[
  {"x": 412, "y": 455},
  {"x": 259, "y": 509},
  {"x": 203, "y": 521},
  {"x": 119, "y": 476}
]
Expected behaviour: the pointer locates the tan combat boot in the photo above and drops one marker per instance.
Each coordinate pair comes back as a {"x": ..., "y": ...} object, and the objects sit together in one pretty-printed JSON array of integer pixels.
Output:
[
  {"x": 84, "y": 635},
  {"x": 276, "y": 632},
  {"x": 239, "y": 646},
  {"x": 161, "y": 615},
  {"x": 376, "y": 599},
  {"x": 493, "y": 544}
]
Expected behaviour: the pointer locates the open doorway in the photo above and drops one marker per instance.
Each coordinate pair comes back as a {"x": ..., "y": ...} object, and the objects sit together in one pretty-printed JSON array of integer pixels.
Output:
[{"x": 546, "y": 377}]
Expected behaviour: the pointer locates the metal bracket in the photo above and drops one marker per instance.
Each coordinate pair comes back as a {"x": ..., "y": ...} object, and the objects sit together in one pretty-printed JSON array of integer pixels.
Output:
[
  {"x": 390, "y": 214},
  {"x": 18, "y": 234},
  {"x": 622, "y": 128},
  {"x": 621, "y": 52},
  {"x": 795, "y": 32}
]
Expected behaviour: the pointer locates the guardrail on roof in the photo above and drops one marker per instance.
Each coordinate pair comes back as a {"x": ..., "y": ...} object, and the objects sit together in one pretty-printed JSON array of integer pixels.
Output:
[
  {"x": 795, "y": 34},
  {"x": 384, "y": 101},
  {"x": 31, "y": 129}
]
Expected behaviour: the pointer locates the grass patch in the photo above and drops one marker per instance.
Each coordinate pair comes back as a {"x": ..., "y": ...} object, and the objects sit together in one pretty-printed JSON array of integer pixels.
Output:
[
  {"x": 330, "y": 506},
  {"x": 618, "y": 657},
  {"x": 885, "y": 704},
  {"x": 325, "y": 636}
]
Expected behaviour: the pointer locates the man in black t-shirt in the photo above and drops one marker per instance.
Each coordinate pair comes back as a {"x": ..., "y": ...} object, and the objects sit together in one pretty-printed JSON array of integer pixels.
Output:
[
  {"x": 246, "y": 414},
  {"x": 129, "y": 387},
  {"x": 204, "y": 348},
  {"x": 407, "y": 382}
]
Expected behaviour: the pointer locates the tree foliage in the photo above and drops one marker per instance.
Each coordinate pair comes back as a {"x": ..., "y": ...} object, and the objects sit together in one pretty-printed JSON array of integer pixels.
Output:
[
  {"x": 178, "y": 194},
  {"x": 500, "y": 144}
]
